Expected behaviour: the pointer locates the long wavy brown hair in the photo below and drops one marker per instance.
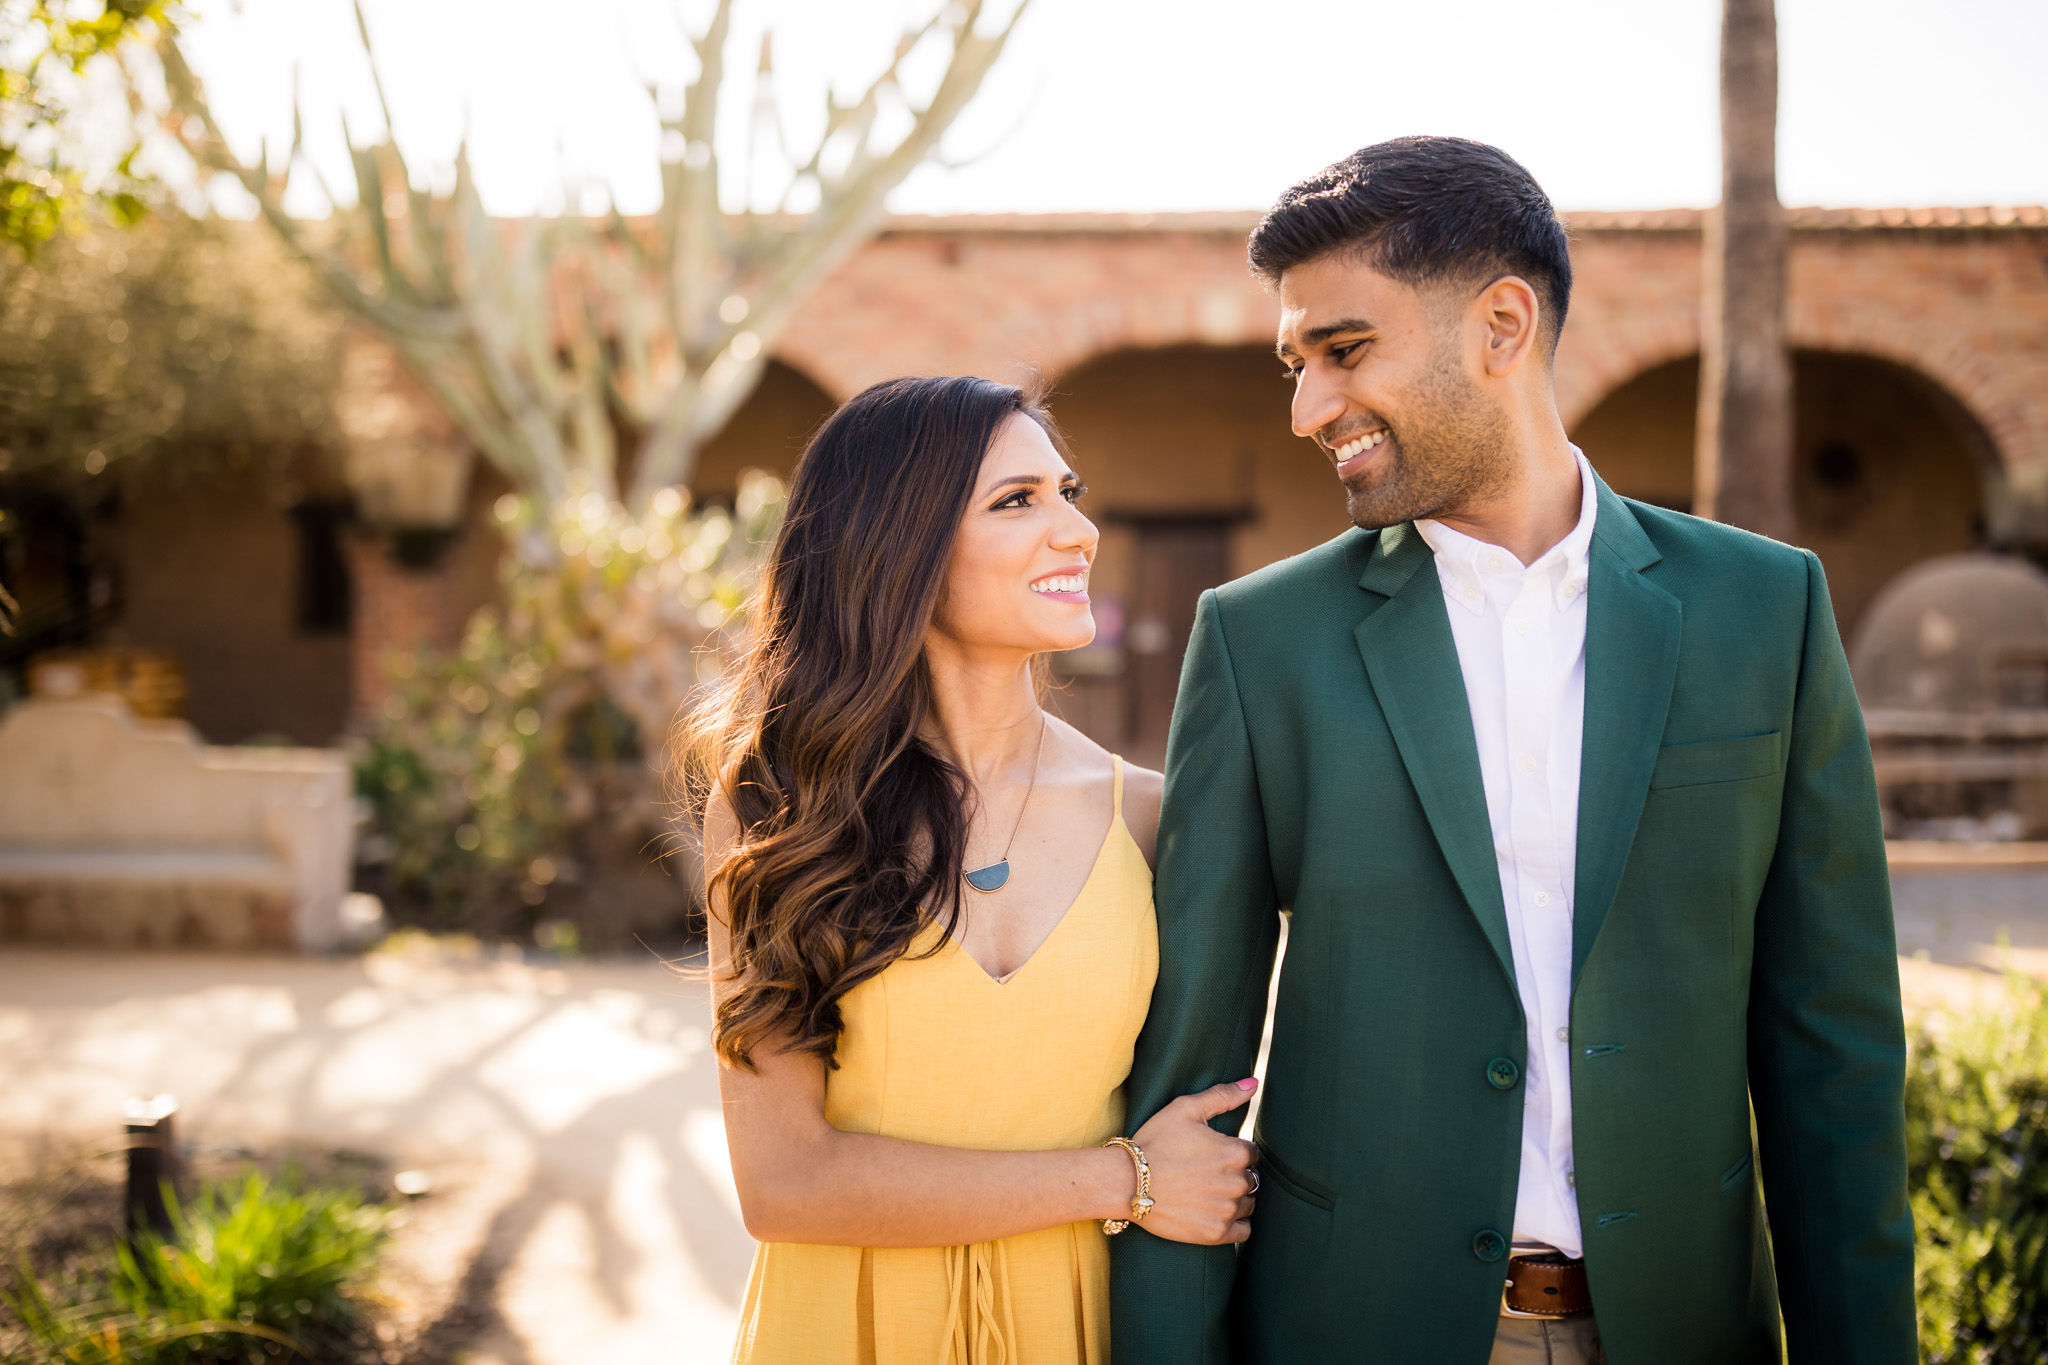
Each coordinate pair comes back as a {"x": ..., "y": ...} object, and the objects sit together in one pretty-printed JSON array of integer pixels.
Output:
[{"x": 851, "y": 826}]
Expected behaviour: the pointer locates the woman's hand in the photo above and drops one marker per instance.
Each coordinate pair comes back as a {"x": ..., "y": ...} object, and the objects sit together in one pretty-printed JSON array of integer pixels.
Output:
[{"x": 1202, "y": 1181}]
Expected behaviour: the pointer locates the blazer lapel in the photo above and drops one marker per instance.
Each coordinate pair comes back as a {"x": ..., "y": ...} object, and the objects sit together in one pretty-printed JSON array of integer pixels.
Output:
[
  {"x": 1412, "y": 661},
  {"x": 1632, "y": 633}
]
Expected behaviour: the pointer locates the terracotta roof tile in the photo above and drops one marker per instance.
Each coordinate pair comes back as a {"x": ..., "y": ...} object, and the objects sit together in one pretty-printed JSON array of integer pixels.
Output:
[
  {"x": 1820, "y": 219},
  {"x": 1626, "y": 220}
]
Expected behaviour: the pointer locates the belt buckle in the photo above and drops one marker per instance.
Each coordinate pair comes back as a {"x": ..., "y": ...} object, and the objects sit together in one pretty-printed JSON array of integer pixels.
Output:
[{"x": 1528, "y": 1249}]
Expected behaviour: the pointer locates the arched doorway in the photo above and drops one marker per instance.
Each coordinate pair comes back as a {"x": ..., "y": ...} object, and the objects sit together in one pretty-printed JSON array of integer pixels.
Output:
[
  {"x": 768, "y": 432},
  {"x": 1194, "y": 478},
  {"x": 1889, "y": 468}
]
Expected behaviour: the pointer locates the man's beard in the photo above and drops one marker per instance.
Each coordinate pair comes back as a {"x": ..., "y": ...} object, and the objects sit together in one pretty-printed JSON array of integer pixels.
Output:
[{"x": 1448, "y": 453}]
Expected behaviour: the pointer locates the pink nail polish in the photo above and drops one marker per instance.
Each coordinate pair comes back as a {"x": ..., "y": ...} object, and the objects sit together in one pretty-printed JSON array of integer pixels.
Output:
[{"x": 1248, "y": 1083}]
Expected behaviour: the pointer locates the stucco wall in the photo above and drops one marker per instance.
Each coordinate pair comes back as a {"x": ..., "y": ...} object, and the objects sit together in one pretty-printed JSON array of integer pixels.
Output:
[{"x": 209, "y": 574}]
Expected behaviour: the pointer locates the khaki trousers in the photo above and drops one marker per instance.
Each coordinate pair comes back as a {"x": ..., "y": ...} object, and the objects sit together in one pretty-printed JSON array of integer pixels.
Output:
[{"x": 1547, "y": 1341}]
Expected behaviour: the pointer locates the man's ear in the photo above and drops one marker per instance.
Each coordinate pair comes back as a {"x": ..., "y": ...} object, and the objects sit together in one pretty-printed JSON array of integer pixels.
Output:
[{"x": 1510, "y": 316}]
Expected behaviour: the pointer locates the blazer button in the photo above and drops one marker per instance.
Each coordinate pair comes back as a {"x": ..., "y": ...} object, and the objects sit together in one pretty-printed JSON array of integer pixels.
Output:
[
  {"x": 1489, "y": 1245},
  {"x": 1502, "y": 1073}
]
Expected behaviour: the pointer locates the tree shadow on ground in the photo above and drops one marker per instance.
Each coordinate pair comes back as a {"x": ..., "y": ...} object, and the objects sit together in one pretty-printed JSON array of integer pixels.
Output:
[{"x": 566, "y": 1083}]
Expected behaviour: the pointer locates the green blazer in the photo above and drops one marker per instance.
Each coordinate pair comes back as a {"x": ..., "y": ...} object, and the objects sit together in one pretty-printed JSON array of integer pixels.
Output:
[{"x": 1733, "y": 952}]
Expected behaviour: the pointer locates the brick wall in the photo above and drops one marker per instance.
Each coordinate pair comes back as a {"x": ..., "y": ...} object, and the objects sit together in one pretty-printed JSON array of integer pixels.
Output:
[
  {"x": 399, "y": 608},
  {"x": 1153, "y": 337},
  {"x": 396, "y": 609},
  {"x": 1960, "y": 295},
  {"x": 1966, "y": 306}
]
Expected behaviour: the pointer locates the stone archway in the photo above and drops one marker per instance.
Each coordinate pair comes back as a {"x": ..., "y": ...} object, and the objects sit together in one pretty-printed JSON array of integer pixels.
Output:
[{"x": 1891, "y": 467}]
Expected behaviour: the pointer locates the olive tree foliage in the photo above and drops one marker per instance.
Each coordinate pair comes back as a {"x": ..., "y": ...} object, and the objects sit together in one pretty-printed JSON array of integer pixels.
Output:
[
  {"x": 195, "y": 348},
  {"x": 49, "y": 51},
  {"x": 586, "y": 355},
  {"x": 197, "y": 345}
]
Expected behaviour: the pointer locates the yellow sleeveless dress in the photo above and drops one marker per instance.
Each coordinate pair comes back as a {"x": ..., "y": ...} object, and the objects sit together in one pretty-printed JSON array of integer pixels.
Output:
[{"x": 934, "y": 1050}]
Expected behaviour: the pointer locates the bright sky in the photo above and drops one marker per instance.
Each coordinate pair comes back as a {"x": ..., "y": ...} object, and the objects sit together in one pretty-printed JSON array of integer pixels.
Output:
[{"x": 1147, "y": 105}]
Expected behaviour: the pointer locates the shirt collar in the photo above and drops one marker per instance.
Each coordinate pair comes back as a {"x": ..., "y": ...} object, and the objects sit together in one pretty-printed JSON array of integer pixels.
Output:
[{"x": 1466, "y": 566}]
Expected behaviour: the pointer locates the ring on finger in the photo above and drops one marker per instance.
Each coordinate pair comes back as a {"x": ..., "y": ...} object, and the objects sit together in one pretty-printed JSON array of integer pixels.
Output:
[{"x": 1252, "y": 1174}]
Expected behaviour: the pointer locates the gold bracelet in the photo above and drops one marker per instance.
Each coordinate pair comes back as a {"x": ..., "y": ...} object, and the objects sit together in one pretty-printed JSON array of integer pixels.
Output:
[{"x": 1141, "y": 1202}]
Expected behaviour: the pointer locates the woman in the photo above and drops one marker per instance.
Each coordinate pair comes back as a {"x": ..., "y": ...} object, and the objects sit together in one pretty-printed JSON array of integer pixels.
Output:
[{"x": 931, "y": 918}]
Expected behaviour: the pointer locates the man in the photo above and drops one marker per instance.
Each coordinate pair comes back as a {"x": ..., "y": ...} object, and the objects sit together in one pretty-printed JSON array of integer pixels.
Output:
[{"x": 1569, "y": 803}]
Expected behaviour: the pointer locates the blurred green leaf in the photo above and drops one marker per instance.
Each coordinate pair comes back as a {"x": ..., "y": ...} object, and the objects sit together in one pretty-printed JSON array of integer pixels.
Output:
[
  {"x": 1977, "y": 1153},
  {"x": 231, "y": 354},
  {"x": 47, "y": 48},
  {"x": 257, "y": 1271},
  {"x": 126, "y": 209}
]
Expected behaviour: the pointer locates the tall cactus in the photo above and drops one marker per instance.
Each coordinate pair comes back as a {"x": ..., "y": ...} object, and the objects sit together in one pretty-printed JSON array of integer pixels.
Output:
[
  {"x": 590, "y": 359},
  {"x": 554, "y": 342}
]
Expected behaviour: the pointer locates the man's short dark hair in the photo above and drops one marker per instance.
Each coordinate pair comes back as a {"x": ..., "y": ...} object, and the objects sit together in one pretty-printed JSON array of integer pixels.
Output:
[{"x": 1424, "y": 210}]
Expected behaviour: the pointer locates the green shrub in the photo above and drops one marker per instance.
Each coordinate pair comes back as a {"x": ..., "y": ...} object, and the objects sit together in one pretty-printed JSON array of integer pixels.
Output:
[
  {"x": 256, "y": 1273},
  {"x": 1977, "y": 1152},
  {"x": 487, "y": 762},
  {"x": 462, "y": 784}
]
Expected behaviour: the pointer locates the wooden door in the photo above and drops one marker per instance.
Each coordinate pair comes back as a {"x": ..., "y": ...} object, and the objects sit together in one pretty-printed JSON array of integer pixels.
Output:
[{"x": 1176, "y": 561}]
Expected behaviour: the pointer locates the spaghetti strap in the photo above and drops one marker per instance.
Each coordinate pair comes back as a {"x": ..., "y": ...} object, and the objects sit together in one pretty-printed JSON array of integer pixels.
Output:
[{"x": 1116, "y": 789}]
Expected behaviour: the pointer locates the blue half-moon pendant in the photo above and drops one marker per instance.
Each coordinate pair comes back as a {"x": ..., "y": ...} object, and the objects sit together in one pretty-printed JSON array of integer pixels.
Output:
[{"x": 990, "y": 878}]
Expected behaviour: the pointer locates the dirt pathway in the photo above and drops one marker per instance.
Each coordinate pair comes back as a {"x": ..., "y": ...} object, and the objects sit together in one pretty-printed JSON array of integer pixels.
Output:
[{"x": 583, "y": 1207}]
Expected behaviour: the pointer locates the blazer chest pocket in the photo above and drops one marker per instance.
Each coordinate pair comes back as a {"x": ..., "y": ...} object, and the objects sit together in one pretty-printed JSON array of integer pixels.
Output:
[{"x": 1717, "y": 760}]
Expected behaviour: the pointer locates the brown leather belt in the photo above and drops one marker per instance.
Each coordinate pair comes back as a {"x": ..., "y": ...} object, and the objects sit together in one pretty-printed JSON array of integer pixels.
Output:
[{"x": 1545, "y": 1285}]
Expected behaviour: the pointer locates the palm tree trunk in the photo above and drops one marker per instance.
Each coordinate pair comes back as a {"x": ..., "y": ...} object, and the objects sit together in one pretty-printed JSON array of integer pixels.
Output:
[{"x": 1743, "y": 466}]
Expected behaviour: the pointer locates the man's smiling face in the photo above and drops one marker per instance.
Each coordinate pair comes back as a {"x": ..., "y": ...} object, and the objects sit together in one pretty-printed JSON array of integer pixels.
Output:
[{"x": 1387, "y": 382}]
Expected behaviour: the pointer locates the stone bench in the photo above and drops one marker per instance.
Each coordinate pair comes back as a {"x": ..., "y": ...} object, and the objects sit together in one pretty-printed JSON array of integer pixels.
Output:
[{"x": 128, "y": 833}]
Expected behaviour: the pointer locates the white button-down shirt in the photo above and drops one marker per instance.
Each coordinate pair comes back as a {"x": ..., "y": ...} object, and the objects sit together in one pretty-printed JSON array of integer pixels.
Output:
[{"x": 1521, "y": 638}]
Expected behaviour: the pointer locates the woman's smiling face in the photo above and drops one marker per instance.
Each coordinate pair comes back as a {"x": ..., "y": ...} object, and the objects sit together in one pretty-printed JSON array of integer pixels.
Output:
[{"x": 1018, "y": 576}]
